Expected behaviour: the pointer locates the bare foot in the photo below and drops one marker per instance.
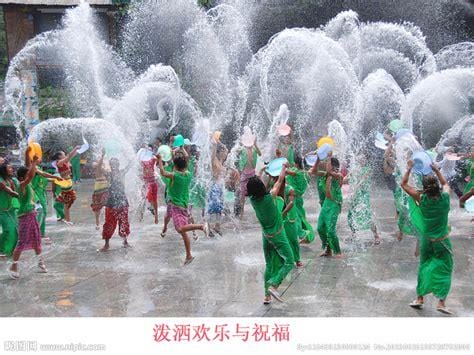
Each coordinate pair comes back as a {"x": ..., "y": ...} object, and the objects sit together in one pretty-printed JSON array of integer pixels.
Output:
[
  {"x": 326, "y": 253},
  {"x": 189, "y": 260},
  {"x": 377, "y": 240},
  {"x": 399, "y": 236},
  {"x": 104, "y": 248},
  {"x": 267, "y": 299},
  {"x": 339, "y": 256},
  {"x": 97, "y": 227},
  {"x": 126, "y": 244}
]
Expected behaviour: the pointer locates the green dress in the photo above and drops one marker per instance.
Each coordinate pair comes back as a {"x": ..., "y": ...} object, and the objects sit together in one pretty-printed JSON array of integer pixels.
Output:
[
  {"x": 359, "y": 216},
  {"x": 430, "y": 218},
  {"x": 291, "y": 223},
  {"x": 8, "y": 220},
  {"x": 299, "y": 183},
  {"x": 76, "y": 168},
  {"x": 470, "y": 184},
  {"x": 279, "y": 258},
  {"x": 197, "y": 193},
  {"x": 401, "y": 204},
  {"x": 327, "y": 221},
  {"x": 40, "y": 184}
]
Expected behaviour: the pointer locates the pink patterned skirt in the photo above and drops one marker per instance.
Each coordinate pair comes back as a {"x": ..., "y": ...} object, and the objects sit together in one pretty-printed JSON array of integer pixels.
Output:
[{"x": 29, "y": 236}]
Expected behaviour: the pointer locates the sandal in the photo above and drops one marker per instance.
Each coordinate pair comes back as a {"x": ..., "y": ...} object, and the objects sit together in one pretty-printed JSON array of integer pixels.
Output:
[
  {"x": 273, "y": 291},
  {"x": 42, "y": 267},
  {"x": 416, "y": 304},
  {"x": 188, "y": 261},
  {"x": 444, "y": 310},
  {"x": 163, "y": 234}
]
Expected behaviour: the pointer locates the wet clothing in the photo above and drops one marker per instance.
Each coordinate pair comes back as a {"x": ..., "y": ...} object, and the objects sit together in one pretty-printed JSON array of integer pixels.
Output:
[
  {"x": 8, "y": 219},
  {"x": 100, "y": 194},
  {"x": 291, "y": 221},
  {"x": 179, "y": 215},
  {"x": 279, "y": 258},
  {"x": 327, "y": 221},
  {"x": 178, "y": 188},
  {"x": 29, "y": 236},
  {"x": 76, "y": 168},
  {"x": 401, "y": 204},
  {"x": 113, "y": 217},
  {"x": 40, "y": 185},
  {"x": 57, "y": 205},
  {"x": 299, "y": 183},
  {"x": 430, "y": 217},
  {"x": 117, "y": 198},
  {"x": 215, "y": 201},
  {"x": 360, "y": 215}
]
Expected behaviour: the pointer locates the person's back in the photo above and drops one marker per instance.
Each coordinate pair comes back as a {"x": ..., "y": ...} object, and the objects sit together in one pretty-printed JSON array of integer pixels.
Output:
[
  {"x": 178, "y": 188},
  {"x": 267, "y": 214},
  {"x": 434, "y": 211}
]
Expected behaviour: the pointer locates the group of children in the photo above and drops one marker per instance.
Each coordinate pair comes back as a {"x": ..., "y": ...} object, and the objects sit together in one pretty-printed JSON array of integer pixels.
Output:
[{"x": 278, "y": 202}]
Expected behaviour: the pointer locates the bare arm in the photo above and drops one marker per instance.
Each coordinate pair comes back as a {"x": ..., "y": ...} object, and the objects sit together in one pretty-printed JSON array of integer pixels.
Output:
[
  {"x": 291, "y": 203},
  {"x": 441, "y": 178},
  {"x": 466, "y": 197},
  {"x": 68, "y": 157},
  {"x": 8, "y": 190},
  {"x": 30, "y": 175},
  {"x": 259, "y": 153},
  {"x": 48, "y": 175},
  {"x": 414, "y": 193},
  {"x": 163, "y": 172}
]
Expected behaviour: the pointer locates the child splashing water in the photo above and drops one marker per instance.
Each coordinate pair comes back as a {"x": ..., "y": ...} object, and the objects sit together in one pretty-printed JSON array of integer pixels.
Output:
[
  {"x": 28, "y": 229},
  {"x": 67, "y": 195},
  {"x": 275, "y": 241},
  {"x": 178, "y": 191},
  {"x": 297, "y": 178},
  {"x": 101, "y": 189},
  {"x": 360, "y": 216},
  {"x": 327, "y": 221},
  {"x": 429, "y": 212},
  {"x": 116, "y": 207}
]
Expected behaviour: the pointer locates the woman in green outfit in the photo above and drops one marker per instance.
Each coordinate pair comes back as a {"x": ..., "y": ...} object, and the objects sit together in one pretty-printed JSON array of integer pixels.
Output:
[
  {"x": 298, "y": 179},
  {"x": 291, "y": 222},
  {"x": 330, "y": 210},
  {"x": 360, "y": 217},
  {"x": 429, "y": 212},
  {"x": 275, "y": 241},
  {"x": 8, "y": 218},
  {"x": 405, "y": 226}
]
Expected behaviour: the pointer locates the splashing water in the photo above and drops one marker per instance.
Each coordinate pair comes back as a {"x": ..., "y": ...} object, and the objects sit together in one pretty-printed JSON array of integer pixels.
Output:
[{"x": 184, "y": 70}]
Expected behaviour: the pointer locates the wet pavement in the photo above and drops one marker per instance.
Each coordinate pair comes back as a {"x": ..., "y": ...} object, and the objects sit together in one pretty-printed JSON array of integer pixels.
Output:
[{"x": 226, "y": 277}]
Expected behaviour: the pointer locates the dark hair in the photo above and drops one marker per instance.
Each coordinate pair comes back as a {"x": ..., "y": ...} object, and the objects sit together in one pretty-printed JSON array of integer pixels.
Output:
[
  {"x": 298, "y": 161},
  {"x": 256, "y": 188},
  {"x": 57, "y": 155},
  {"x": 3, "y": 171},
  {"x": 431, "y": 186},
  {"x": 21, "y": 172},
  {"x": 180, "y": 162},
  {"x": 335, "y": 163}
]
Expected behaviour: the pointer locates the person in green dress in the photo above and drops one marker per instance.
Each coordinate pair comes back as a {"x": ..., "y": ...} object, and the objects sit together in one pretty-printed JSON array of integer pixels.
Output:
[
  {"x": 469, "y": 188},
  {"x": 76, "y": 168},
  {"x": 275, "y": 241},
  {"x": 360, "y": 216},
  {"x": 8, "y": 218},
  {"x": 405, "y": 226},
  {"x": 297, "y": 178},
  {"x": 327, "y": 221},
  {"x": 429, "y": 212},
  {"x": 292, "y": 221}
]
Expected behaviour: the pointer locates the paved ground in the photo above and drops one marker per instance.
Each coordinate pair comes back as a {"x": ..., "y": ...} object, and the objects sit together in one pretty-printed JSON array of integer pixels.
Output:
[{"x": 226, "y": 277}]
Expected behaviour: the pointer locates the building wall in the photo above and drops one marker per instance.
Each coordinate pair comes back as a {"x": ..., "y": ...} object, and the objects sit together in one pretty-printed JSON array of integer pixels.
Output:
[{"x": 19, "y": 27}]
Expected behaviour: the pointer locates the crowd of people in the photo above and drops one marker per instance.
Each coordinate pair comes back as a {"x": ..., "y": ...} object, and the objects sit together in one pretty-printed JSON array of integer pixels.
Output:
[{"x": 276, "y": 195}]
